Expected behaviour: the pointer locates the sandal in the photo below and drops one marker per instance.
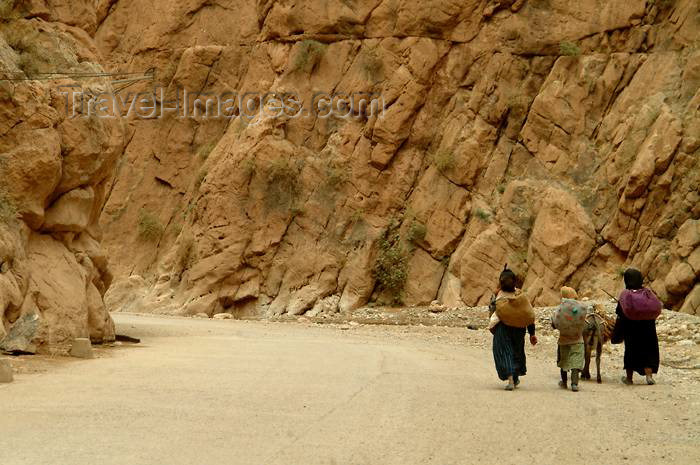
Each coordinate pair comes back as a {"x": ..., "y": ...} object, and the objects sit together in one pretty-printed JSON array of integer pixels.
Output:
[
  {"x": 509, "y": 387},
  {"x": 574, "y": 388},
  {"x": 626, "y": 381},
  {"x": 650, "y": 381}
]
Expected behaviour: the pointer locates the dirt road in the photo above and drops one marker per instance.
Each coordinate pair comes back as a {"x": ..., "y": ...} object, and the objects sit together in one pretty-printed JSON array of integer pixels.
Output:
[{"x": 233, "y": 392}]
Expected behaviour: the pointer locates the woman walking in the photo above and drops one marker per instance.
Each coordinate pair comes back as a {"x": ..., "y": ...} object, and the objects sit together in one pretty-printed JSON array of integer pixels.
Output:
[
  {"x": 639, "y": 335},
  {"x": 509, "y": 341}
]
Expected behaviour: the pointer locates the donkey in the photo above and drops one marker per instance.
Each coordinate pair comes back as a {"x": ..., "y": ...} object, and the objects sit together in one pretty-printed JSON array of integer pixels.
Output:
[{"x": 598, "y": 330}]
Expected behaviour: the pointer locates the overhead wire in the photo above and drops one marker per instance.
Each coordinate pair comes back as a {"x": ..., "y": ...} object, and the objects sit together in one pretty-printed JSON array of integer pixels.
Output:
[{"x": 148, "y": 74}]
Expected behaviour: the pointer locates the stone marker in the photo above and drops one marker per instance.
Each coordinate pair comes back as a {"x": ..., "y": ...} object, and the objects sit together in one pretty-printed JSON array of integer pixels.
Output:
[
  {"x": 223, "y": 316},
  {"x": 5, "y": 371},
  {"x": 81, "y": 348}
]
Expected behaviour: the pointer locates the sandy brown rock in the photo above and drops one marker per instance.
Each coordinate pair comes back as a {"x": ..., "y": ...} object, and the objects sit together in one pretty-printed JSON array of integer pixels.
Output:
[
  {"x": 54, "y": 165},
  {"x": 70, "y": 212},
  {"x": 559, "y": 138}
]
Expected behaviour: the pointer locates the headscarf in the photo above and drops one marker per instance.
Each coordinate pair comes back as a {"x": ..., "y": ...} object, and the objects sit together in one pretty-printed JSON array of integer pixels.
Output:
[
  {"x": 633, "y": 279},
  {"x": 568, "y": 293},
  {"x": 507, "y": 280}
]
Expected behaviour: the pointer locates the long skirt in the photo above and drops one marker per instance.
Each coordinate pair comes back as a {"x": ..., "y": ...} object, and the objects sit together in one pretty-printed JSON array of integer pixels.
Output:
[
  {"x": 509, "y": 351},
  {"x": 641, "y": 346}
]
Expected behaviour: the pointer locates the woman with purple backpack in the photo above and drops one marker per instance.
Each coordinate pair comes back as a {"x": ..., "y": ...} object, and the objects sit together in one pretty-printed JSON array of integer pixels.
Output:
[{"x": 637, "y": 310}]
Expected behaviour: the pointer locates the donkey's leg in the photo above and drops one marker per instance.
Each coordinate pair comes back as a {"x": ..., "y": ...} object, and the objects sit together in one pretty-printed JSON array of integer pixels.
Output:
[
  {"x": 586, "y": 373},
  {"x": 598, "y": 353}
]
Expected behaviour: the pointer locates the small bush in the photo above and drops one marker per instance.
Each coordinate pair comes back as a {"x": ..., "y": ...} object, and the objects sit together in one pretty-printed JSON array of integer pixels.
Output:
[
  {"x": 6, "y": 7},
  {"x": 372, "y": 66},
  {"x": 283, "y": 184},
  {"x": 390, "y": 268},
  {"x": 518, "y": 104},
  {"x": 200, "y": 178},
  {"x": 150, "y": 228},
  {"x": 186, "y": 253},
  {"x": 357, "y": 216},
  {"x": 501, "y": 188},
  {"x": 176, "y": 229},
  {"x": 444, "y": 160},
  {"x": 190, "y": 208},
  {"x": 248, "y": 167},
  {"x": 416, "y": 231},
  {"x": 483, "y": 215},
  {"x": 335, "y": 177},
  {"x": 310, "y": 51},
  {"x": 205, "y": 150},
  {"x": 41, "y": 53},
  {"x": 8, "y": 210},
  {"x": 569, "y": 49}
]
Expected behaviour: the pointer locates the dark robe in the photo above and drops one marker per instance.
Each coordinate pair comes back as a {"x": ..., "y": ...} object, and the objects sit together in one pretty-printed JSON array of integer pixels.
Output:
[{"x": 641, "y": 342}]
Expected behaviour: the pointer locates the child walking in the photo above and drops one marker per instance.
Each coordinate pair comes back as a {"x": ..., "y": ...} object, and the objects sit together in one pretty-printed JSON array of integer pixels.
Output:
[{"x": 570, "y": 319}]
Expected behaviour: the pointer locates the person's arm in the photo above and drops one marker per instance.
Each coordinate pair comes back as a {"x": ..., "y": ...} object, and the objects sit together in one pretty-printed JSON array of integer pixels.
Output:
[{"x": 531, "y": 330}]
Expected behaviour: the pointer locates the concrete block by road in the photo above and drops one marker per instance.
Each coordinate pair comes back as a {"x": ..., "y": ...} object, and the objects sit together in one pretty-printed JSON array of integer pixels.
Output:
[
  {"x": 5, "y": 371},
  {"x": 82, "y": 348}
]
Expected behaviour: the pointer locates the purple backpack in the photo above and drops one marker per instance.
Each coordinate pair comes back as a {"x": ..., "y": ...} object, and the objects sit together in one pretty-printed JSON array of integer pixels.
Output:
[{"x": 640, "y": 304}]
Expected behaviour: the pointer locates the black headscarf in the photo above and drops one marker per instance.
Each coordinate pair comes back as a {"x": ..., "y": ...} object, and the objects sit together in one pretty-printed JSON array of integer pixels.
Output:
[
  {"x": 507, "y": 280},
  {"x": 633, "y": 279}
]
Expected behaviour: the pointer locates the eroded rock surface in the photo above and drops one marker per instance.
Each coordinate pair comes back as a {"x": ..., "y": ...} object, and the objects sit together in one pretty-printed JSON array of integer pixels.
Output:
[
  {"x": 54, "y": 173},
  {"x": 560, "y": 137}
]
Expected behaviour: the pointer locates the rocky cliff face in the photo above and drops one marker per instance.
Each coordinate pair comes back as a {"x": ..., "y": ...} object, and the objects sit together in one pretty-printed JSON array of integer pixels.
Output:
[
  {"x": 560, "y": 137},
  {"x": 54, "y": 175}
]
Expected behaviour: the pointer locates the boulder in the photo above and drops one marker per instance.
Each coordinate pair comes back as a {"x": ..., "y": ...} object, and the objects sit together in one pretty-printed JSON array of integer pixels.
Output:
[
  {"x": 562, "y": 239},
  {"x": 20, "y": 337},
  {"x": 680, "y": 279},
  {"x": 688, "y": 237},
  {"x": 423, "y": 279},
  {"x": 70, "y": 212},
  {"x": 691, "y": 304},
  {"x": 58, "y": 285}
]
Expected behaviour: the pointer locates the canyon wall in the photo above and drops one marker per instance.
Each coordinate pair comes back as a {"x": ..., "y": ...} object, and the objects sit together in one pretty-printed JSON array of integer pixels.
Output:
[
  {"x": 559, "y": 137},
  {"x": 54, "y": 173}
]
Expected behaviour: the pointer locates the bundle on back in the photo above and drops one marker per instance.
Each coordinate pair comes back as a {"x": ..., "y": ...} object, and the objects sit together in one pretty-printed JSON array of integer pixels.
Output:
[
  {"x": 570, "y": 319},
  {"x": 515, "y": 310},
  {"x": 640, "y": 304}
]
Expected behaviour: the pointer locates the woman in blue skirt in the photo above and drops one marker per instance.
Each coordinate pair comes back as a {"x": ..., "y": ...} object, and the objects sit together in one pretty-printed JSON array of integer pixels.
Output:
[{"x": 509, "y": 341}]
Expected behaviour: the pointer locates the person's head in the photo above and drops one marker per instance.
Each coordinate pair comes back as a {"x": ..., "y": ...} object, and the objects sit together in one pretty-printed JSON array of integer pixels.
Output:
[
  {"x": 568, "y": 293},
  {"x": 633, "y": 279},
  {"x": 507, "y": 280}
]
